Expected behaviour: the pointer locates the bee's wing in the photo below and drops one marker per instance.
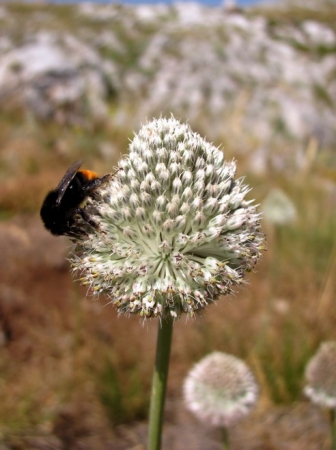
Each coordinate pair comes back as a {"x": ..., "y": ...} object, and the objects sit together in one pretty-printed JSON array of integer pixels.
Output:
[{"x": 66, "y": 180}]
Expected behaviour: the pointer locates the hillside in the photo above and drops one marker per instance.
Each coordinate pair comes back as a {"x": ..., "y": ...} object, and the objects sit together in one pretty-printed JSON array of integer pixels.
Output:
[{"x": 260, "y": 79}]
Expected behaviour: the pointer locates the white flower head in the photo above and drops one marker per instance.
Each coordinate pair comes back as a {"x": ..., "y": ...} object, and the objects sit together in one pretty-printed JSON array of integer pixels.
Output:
[
  {"x": 278, "y": 208},
  {"x": 175, "y": 230},
  {"x": 321, "y": 376},
  {"x": 220, "y": 390}
]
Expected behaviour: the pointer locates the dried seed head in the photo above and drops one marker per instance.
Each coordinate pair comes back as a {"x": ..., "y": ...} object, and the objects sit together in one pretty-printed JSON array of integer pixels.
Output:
[
  {"x": 321, "y": 376},
  {"x": 220, "y": 390}
]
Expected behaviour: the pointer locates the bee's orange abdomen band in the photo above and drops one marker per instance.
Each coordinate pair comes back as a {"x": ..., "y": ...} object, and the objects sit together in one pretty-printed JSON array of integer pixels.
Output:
[{"x": 89, "y": 174}]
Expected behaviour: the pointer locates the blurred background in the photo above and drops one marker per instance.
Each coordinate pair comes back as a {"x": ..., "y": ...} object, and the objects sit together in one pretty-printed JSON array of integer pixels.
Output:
[{"x": 75, "y": 82}]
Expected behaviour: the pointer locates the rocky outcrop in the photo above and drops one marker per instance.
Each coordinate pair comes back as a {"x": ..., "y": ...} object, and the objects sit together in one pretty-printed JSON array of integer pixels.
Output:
[{"x": 273, "y": 79}]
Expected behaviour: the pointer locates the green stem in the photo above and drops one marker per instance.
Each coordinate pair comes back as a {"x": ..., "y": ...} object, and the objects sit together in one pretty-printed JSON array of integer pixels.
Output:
[
  {"x": 333, "y": 428},
  {"x": 225, "y": 438},
  {"x": 159, "y": 383}
]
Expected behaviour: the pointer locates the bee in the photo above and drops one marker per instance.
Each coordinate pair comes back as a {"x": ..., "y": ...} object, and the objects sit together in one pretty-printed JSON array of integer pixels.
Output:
[{"x": 63, "y": 207}]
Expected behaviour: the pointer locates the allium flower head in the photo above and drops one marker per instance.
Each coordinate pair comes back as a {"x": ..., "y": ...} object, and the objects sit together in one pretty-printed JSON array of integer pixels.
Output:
[
  {"x": 220, "y": 390},
  {"x": 175, "y": 230},
  {"x": 278, "y": 208},
  {"x": 321, "y": 376}
]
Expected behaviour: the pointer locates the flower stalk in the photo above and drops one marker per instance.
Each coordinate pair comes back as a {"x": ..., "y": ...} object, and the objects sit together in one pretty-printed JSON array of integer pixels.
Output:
[
  {"x": 225, "y": 438},
  {"x": 332, "y": 415},
  {"x": 159, "y": 383}
]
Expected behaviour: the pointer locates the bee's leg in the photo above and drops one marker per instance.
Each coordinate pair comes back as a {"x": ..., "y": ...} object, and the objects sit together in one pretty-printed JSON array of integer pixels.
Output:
[
  {"x": 87, "y": 218},
  {"x": 94, "y": 184},
  {"x": 76, "y": 233}
]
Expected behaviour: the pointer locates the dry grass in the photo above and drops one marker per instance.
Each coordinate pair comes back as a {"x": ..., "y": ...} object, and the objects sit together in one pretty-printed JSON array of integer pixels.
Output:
[{"x": 69, "y": 359}]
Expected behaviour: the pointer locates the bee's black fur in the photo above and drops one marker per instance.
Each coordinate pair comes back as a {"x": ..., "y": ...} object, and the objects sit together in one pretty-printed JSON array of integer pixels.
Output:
[{"x": 62, "y": 210}]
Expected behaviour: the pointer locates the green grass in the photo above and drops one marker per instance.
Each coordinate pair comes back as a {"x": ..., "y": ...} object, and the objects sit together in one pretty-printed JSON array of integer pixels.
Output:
[
  {"x": 111, "y": 395},
  {"x": 122, "y": 394}
]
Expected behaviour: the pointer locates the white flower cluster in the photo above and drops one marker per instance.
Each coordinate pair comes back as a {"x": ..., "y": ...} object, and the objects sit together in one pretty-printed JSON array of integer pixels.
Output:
[
  {"x": 278, "y": 208},
  {"x": 321, "y": 376},
  {"x": 175, "y": 230},
  {"x": 220, "y": 390}
]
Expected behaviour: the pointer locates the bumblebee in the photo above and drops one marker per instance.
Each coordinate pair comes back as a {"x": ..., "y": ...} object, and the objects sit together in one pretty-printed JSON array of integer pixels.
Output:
[{"x": 62, "y": 211}]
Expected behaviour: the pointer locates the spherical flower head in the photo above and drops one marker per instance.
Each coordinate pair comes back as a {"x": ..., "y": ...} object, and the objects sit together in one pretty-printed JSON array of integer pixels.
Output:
[
  {"x": 220, "y": 390},
  {"x": 321, "y": 376},
  {"x": 278, "y": 208},
  {"x": 174, "y": 228}
]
